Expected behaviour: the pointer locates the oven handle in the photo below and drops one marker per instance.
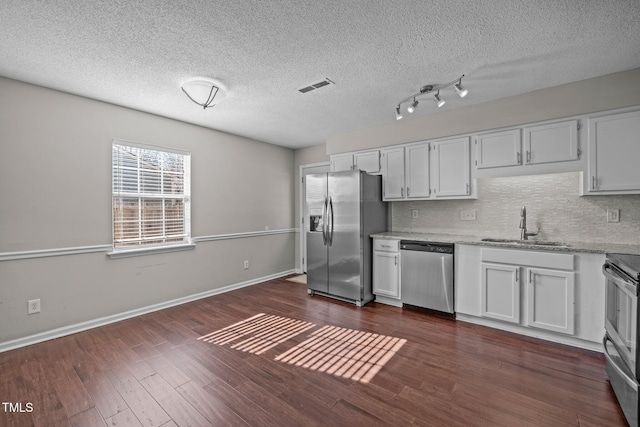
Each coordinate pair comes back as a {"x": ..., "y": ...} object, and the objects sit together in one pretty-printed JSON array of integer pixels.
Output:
[
  {"x": 614, "y": 274},
  {"x": 617, "y": 368}
]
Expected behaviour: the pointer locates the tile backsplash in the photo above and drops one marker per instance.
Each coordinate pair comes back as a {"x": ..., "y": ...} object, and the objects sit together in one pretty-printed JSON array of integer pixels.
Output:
[{"x": 553, "y": 206}]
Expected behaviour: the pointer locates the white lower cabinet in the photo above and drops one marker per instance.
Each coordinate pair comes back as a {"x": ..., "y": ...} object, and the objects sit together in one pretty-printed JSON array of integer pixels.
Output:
[
  {"x": 547, "y": 296},
  {"x": 386, "y": 271},
  {"x": 550, "y": 295},
  {"x": 534, "y": 289},
  {"x": 550, "y": 300},
  {"x": 501, "y": 292}
]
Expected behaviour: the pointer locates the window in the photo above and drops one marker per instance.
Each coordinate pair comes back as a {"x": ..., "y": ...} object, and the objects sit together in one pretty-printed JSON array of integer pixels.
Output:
[{"x": 151, "y": 196}]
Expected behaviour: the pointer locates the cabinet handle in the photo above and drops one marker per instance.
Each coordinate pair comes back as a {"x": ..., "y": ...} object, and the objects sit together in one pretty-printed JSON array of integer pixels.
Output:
[
  {"x": 528, "y": 156},
  {"x": 517, "y": 275},
  {"x": 402, "y": 192},
  {"x": 467, "y": 188},
  {"x": 530, "y": 277},
  {"x": 593, "y": 182},
  {"x": 407, "y": 191},
  {"x": 396, "y": 259},
  {"x": 519, "y": 157}
]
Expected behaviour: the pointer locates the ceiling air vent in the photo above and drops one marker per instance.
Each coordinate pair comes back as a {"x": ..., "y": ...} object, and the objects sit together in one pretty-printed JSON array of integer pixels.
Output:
[{"x": 323, "y": 83}]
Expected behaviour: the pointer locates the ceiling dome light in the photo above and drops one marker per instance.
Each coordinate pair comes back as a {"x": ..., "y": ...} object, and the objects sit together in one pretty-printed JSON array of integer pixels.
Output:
[
  {"x": 439, "y": 101},
  {"x": 204, "y": 91},
  {"x": 460, "y": 90},
  {"x": 411, "y": 108}
]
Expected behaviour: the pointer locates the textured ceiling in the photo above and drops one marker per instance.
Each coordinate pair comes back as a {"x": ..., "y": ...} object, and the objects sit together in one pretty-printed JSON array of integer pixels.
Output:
[{"x": 137, "y": 53}]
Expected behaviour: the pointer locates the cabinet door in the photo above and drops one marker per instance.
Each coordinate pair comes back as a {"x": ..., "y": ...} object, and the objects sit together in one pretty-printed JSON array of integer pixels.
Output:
[
  {"x": 417, "y": 173},
  {"x": 451, "y": 168},
  {"x": 498, "y": 149},
  {"x": 368, "y": 161},
  {"x": 501, "y": 292},
  {"x": 550, "y": 300},
  {"x": 614, "y": 150},
  {"x": 555, "y": 142},
  {"x": 386, "y": 274},
  {"x": 342, "y": 163},
  {"x": 393, "y": 174}
]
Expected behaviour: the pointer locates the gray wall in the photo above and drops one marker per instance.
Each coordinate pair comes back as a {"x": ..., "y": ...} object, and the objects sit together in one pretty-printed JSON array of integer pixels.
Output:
[
  {"x": 55, "y": 192},
  {"x": 598, "y": 94},
  {"x": 553, "y": 204}
]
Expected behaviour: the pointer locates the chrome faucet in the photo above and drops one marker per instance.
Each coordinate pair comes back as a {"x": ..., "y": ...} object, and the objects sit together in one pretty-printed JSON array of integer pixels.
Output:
[{"x": 524, "y": 234}]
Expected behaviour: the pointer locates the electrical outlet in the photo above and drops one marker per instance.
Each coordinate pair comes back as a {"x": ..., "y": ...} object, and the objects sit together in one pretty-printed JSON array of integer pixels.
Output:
[
  {"x": 468, "y": 215},
  {"x": 414, "y": 213},
  {"x": 613, "y": 215},
  {"x": 246, "y": 264},
  {"x": 33, "y": 306}
]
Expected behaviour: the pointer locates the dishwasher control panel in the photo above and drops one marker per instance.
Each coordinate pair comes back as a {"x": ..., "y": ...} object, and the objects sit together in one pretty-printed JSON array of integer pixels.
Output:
[{"x": 443, "y": 248}]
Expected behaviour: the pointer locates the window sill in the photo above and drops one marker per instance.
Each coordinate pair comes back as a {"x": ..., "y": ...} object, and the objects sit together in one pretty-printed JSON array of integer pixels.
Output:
[{"x": 126, "y": 253}]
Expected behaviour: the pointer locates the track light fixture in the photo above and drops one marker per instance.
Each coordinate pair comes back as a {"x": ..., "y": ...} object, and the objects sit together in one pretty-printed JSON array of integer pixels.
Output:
[{"x": 457, "y": 85}]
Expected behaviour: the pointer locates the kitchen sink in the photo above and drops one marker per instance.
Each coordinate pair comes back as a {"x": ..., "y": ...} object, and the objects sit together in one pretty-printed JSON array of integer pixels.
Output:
[{"x": 525, "y": 242}]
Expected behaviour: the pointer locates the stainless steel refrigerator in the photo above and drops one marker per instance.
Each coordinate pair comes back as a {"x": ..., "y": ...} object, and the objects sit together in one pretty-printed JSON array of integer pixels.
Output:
[{"x": 344, "y": 208}]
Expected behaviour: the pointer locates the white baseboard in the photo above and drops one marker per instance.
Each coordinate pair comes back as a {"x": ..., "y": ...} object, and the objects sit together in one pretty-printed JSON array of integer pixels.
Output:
[
  {"x": 530, "y": 332},
  {"x": 90, "y": 324}
]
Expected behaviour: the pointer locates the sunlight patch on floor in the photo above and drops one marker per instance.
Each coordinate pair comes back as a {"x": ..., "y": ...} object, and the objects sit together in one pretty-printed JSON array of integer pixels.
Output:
[
  {"x": 258, "y": 334},
  {"x": 347, "y": 353}
]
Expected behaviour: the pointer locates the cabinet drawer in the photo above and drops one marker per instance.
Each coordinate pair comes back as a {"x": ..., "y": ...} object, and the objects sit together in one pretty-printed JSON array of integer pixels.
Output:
[{"x": 384, "y": 245}]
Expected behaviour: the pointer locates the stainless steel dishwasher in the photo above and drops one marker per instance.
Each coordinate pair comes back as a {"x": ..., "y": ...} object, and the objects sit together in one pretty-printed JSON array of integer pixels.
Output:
[{"x": 426, "y": 275}]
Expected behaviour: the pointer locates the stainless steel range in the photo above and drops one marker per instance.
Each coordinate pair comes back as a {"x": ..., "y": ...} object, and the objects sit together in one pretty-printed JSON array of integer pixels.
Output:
[{"x": 622, "y": 274}]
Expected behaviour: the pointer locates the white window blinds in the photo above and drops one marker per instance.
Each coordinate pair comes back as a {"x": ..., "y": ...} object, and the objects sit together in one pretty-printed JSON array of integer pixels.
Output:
[{"x": 151, "y": 196}]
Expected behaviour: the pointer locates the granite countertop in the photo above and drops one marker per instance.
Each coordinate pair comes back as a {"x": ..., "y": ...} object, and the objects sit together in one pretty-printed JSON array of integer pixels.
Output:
[{"x": 588, "y": 247}]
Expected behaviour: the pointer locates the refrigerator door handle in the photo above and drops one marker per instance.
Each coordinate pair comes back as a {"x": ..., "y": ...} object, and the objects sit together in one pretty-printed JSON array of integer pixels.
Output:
[
  {"x": 324, "y": 222},
  {"x": 330, "y": 232}
]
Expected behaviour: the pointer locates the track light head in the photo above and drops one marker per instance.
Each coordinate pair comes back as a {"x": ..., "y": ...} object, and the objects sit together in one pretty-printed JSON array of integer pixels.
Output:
[
  {"x": 460, "y": 90},
  {"x": 439, "y": 101},
  {"x": 411, "y": 108},
  {"x": 398, "y": 115}
]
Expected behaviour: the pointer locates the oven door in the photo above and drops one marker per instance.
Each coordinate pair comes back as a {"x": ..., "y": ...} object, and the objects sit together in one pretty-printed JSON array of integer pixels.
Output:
[
  {"x": 621, "y": 318},
  {"x": 623, "y": 384}
]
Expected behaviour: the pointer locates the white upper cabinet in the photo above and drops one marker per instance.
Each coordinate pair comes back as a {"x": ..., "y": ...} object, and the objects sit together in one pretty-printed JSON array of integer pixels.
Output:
[
  {"x": 393, "y": 174},
  {"x": 614, "y": 150},
  {"x": 368, "y": 161},
  {"x": 341, "y": 162},
  {"x": 555, "y": 142},
  {"x": 417, "y": 171},
  {"x": 451, "y": 168},
  {"x": 533, "y": 149},
  {"x": 499, "y": 149},
  {"x": 427, "y": 170}
]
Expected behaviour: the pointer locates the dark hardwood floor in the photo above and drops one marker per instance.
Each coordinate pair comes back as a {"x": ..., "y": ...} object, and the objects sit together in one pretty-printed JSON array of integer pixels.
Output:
[{"x": 154, "y": 370}]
